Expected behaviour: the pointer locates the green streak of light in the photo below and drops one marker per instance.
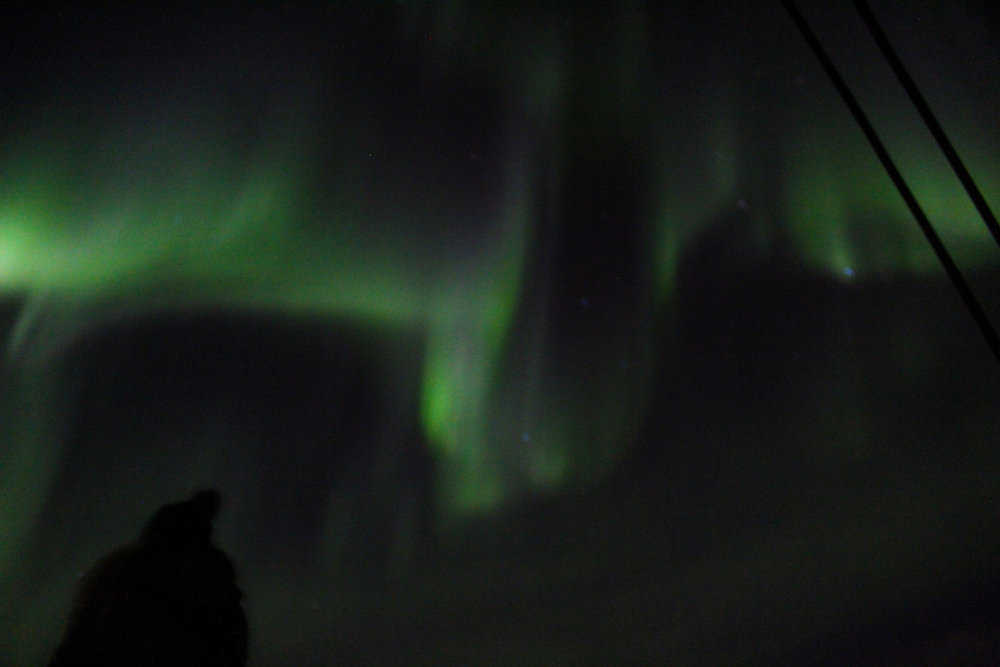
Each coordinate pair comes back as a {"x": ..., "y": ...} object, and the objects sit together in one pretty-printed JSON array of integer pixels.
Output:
[
  {"x": 692, "y": 189},
  {"x": 237, "y": 242},
  {"x": 468, "y": 331},
  {"x": 162, "y": 228}
]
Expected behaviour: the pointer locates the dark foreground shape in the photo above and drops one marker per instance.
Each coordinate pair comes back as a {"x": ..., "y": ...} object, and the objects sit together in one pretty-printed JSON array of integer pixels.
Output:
[{"x": 168, "y": 599}]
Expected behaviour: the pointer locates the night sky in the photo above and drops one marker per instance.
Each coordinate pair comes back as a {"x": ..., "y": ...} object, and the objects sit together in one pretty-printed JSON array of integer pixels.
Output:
[{"x": 522, "y": 334}]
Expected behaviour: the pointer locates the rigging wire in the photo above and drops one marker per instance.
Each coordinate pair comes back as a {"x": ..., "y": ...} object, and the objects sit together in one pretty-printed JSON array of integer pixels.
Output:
[
  {"x": 929, "y": 119},
  {"x": 971, "y": 303}
]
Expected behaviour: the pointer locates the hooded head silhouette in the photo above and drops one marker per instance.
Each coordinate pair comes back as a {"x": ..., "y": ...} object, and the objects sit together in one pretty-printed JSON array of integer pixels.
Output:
[
  {"x": 168, "y": 599},
  {"x": 184, "y": 523}
]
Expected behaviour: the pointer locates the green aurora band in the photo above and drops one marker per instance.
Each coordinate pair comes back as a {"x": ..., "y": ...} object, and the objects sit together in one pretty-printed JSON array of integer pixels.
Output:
[
  {"x": 203, "y": 236},
  {"x": 165, "y": 211}
]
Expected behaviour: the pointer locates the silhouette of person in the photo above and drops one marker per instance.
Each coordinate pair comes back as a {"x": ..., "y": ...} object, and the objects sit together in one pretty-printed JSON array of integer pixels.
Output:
[{"x": 170, "y": 598}]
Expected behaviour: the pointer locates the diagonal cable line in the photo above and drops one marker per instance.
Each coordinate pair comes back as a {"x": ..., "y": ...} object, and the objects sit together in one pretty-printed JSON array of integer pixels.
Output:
[
  {"x": 929, "y": 119},
  {"x": 971, "y": 303}
]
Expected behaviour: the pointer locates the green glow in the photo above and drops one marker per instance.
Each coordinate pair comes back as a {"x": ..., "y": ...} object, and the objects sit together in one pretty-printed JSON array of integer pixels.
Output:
[
  {"x": 467, "y": 335},
  {"x": 342, "y": 199},
  {"x": 847, "y": 218},
  {"x": 843, "y": 215},
  {"x": 691, "y": 191},
  {"x": 161, "y": 226},
  {"x": 178, "y": 219},
  {"x": 205, "y": 238},
  {"x": 164, "y": 210}
]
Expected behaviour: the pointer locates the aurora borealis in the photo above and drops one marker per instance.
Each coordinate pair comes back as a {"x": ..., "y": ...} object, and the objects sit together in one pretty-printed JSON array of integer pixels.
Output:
[{"x": 606, "y": 274}]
